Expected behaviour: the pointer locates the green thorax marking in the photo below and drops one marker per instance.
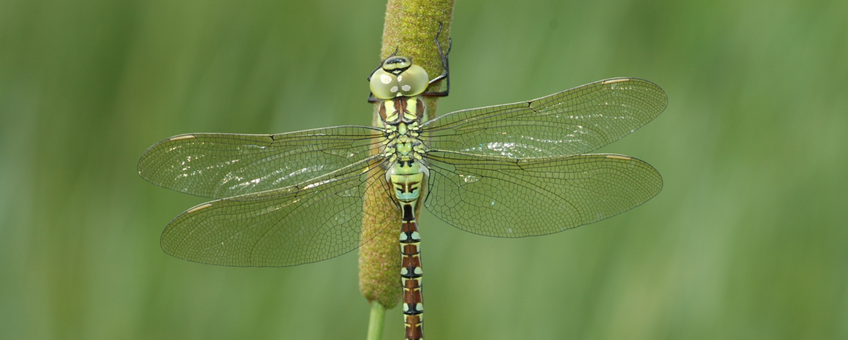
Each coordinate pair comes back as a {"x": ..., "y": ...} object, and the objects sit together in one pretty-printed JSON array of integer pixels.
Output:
[{"x": 403, "y": 146}]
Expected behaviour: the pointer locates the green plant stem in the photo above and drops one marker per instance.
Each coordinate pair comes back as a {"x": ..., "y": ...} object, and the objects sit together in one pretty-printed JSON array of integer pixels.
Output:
[{"x": 375, "y": 323}]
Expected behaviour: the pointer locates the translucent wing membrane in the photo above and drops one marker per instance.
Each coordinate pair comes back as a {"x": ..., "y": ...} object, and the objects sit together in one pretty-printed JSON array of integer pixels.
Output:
[
  {"x": 574, "y": 121},
  {"x": 293, "y": 225},
  {"x": 504, "y": 197},
  {"x": 224, "y": 165},
  {"x": 510, "y": 170}
]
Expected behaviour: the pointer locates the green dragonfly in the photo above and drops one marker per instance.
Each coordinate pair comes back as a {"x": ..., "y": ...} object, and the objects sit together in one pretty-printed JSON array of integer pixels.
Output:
[{"x": 511, "y": 170}]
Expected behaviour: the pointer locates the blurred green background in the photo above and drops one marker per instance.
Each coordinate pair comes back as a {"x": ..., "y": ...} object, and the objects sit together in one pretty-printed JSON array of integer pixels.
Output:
[{"x": 748, "y": 239}]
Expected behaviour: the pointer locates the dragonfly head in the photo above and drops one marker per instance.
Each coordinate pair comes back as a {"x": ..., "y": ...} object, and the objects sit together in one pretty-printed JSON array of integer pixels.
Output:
[{"x": 398, "y": 77}]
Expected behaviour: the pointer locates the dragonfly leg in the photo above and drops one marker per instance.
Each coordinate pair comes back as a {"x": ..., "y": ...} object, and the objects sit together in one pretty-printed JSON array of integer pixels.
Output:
[{"x": 445, "y": 65}]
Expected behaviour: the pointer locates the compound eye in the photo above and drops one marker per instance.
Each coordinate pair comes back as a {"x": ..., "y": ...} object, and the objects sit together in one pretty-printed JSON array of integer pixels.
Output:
[
  {"x": 398, "y": 77},
  {"x": 384, "y": 85},
  {"x": 413, "y": 81}
]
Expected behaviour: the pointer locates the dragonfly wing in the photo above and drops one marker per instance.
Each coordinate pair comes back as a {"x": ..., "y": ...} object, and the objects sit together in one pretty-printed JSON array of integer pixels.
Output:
[
  {"x": 503, "y": 197},
  {"x": 221, "y": 165},
  {"x": 289, "y": 226},
  {"x": 570, "y": 122}
]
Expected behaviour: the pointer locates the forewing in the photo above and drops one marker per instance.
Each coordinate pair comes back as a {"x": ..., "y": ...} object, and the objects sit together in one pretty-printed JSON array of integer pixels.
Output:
[
  {"x": 503, "y": 197},
  {"x": 221, "y": 165},
  {"x": 294, "y": 225},
  {"x": 570, "y": 122}
]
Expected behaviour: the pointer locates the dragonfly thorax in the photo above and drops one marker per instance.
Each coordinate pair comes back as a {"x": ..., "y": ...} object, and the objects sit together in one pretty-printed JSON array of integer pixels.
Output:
[
  {"x": 400, "y": 117},
  {"x": 402, "y": 143},
  {"x": 403, "y": 147},
  {"x": 405, "y": 150}
]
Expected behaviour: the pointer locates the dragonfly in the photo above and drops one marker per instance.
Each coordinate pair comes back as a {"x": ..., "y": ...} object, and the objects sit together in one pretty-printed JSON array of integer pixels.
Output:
[{"x": 512, "y": 170}]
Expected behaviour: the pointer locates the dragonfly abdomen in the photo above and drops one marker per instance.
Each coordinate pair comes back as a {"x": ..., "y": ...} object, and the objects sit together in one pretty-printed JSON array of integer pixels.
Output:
[
  {"x": 411, "y": 273},
  {"x": 407, "y": 177}
]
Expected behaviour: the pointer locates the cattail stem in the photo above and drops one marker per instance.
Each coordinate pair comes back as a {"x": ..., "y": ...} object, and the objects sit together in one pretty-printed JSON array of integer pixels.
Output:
[{"x": 410, "y": 28}]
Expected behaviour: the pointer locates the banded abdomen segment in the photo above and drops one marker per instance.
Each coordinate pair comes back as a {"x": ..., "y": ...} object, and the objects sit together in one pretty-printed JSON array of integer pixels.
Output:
[{"x": 410, "y": 275}]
